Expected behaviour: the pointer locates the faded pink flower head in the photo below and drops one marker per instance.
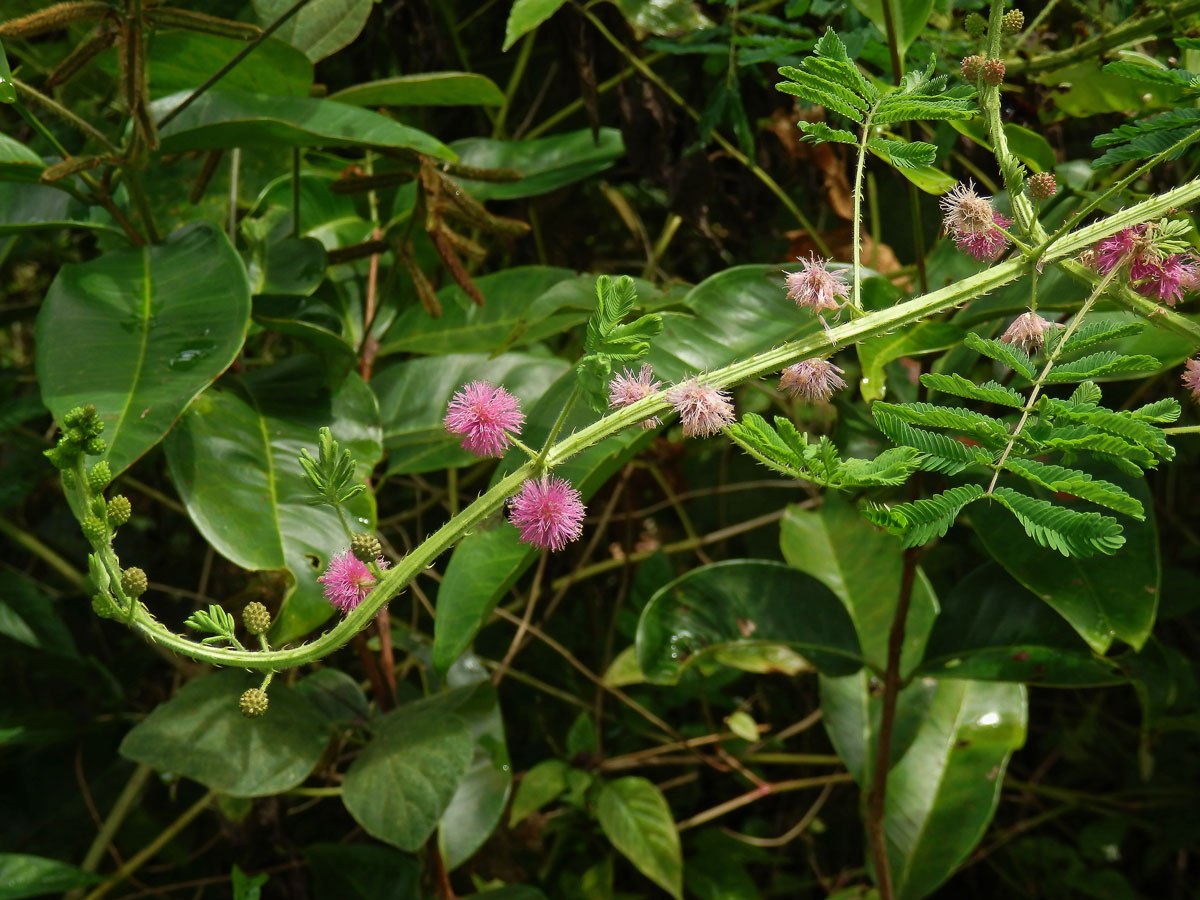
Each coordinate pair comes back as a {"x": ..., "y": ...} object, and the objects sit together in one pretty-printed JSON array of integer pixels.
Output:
[
  {"x": 347, "y": 580},
  {"x": 971, "y": 221},
  {"x": 703, "y": 409},
  {"x": 815, "y": 287},
  {"x": 484, "y": 415},
  {"x": 627, "y": 388},
  {"x": 1028, "y": 331},
  {"x": 1191, "y": 377},
  {"x": 812, "y": 380},
  {"x": 548, "y": 513}
]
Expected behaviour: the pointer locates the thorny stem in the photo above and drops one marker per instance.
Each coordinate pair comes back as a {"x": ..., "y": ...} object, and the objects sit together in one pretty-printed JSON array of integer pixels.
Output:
[
  {"x": 869, "y": 325},
  {"x": 66, "y": 115},
  {"x": 1060, "y": 344},
  {"x": 877, "y": 801},
  {"x": 856, "y": 237}
]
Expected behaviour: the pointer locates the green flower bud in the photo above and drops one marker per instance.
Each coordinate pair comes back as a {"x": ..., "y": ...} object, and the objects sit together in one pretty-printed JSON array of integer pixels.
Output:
[
  {"x": 971, "y": 67},
  {"x": 76, "y": 436},
  {"x": 99, "y": 508},
  {"x": 256, "y": 617},
  {"x": 365, "y": 547},
  {"x": 76, "y": 417},
  {"x": 95, "y": 446},
  {"x": 1013, "y": 22},
  {"x": 119, "y": 510},
  {"x": 133, "y": 582},
  {"x": 105, "y": 606},
  {"x": 68, "y": 478},
  {"x": 99, "y": 475},
  {"x": 975, "y": 24},
  {"x": 94, "y": 529},
  {"x": 253, "y": 703},
  {"x": 1042, "y": 186}
]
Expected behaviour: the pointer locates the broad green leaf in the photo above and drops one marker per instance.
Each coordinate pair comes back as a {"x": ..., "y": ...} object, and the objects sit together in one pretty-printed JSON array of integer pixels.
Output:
[
  {"x": 362, "y": 872},
  {"x": 200, "y": 733},
  {"x": 624, "y": 669},
  {"x": 413, "y": 396},
  {"x": 184, "y": 60},
  {"x": 546, "y": 163},
  {"x": 521, "y": 305},
  {"x": 851, "y": 712},
  {"x": 320, "y": 28},
  {"x": 336, "y": 696},
  {"x": 18, "y": 162},
  {"x": 234, "y": 460},
  {"x": 910, "y": 17},
  {"x": 140, "y": 333},
  {"x": 525, "y": 16},
  {"x": 992, "y": 629},
  {"x": 637, "y": 821},
  {"x": 220, "y": 119},
  {"x": 862, "y": 566},
  {"x": 1082, "y": 90},
  {"x": 748, "y": 602},
  {"x": 30, "y": 617},
  {"x": 941, "y": 795},
  {"x": 24, "y": 875},
  {"x": 545, "y": 782},
  {"x": 477, "y": 805},
  {"x": 29, "y": 207},
  {"x": 424, "y": 89},
  {"x": 1102, "y": 597},
  {"x": 331, "y": 218},
  {"x": 313, "y": 322},
  {"x": 488, "y": 561},
  {"x": 291, "y": 267},
  {"x": 400, "y": 785},
  {"x": 922, "y": 339},
  {"x": 1026, "y": 145},
  {"x": 930, "y": 179},
  {"x": 672, "y": 18},
  {"x": 8, "y": 93}
]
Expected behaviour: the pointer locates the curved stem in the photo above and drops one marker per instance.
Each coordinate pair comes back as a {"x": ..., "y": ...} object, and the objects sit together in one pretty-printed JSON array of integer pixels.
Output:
[{"x": 864, "y": 326}]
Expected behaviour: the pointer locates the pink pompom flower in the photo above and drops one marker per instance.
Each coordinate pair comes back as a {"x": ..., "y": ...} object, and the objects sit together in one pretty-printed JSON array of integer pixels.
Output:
[
  {"x": 484, "y": 415},
  {"x": 347, "y": 580},
  {"x": 1191, "y": 377},
  {"x": 975, "y": 227},
  {"x": 1153, "y": 270},
  {"x": 628, "y": 388},
  {"x": 703, "y": 409},
  {"x": 548, "y": 513},
  {"x": 812, "y": 380},
  {"x": 1168, "y": 279},
  {"x": 816, "y": 288}
]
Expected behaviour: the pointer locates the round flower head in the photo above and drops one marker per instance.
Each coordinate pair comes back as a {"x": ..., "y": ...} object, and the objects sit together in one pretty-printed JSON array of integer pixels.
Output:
[
  {"x": 484, "y": 415},
  {"x": 1028, "y": 331},
  {"x": 703, "y": 409},
  {"x": 1128, "y": 246},
  {"x": 347, "y": 580},
  {"x": 1168, "y": 279},
  {"x": 627, "y": 388},
  {"x": 815, "y": 287},
  {"x": 548, "y": 513},
  {"x": 812, "y": 380},
  {"x": 1191, "y": 377},
  {"x": 971, "y": 221}
]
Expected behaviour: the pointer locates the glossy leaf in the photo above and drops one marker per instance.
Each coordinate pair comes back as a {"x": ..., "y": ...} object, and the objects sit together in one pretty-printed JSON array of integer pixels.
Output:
[
  {"x": 320, "y": 28},
  {"x": 738, "y": 603},
  {"x": 910, "y": 17},
  {"x": 546, "y": 163},
  {"x": 942, "y": 794},
  {"x": 18, "y": 162},
  {"x": 1026, "y": 145},
  {"x": 637, "y": 821},
  {"x": 336, "y": 696},
  {"x": 25, "y": 206},
  {"x": 233, "y": 458},
  {"x": 525, "y": 16},
  {"x": 477, "y": 805},
  {"x": 8, "y": 93},
  {"x": 200, "y": 733},
  {"x": 424, "y": 89},
  {"x": 993, "y": 629},
  {"x": 331, "y": 218},
  {"x": 1102, "y": 597},
  {"x": 400, "y": 785},
  {"x": 313, "y": 322},
  {"x": 920, "y": 340},
  {"x": 413, "y": 396},
  {"x": 140, "y": 333},
  {"x": 664, "y": 17},
  {"x": 862, "y": 566},
  {"x": 220, "y": 119},
  {"x": 543, "y": 783},
  {"x": 521, "y": 304},
  {"x": 362, "y": 872},
  {"x": 24, "y": 875}
]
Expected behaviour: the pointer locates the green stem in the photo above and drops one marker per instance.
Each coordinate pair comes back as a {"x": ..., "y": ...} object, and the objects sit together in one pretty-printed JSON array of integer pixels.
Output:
[
  {"x": 558, "y": 424},
  {"x": 66, "y": 115},
  {"x": 856, "y": 236},
  {"x": 1183, "y": 429},
  {"x": 1160, "y": 316},
  {"x": 22, "y": 537},
  {"x": 865, "y": 326},
  {"x": 514, "y": 81},
  {"x": 123, "y": 806}
]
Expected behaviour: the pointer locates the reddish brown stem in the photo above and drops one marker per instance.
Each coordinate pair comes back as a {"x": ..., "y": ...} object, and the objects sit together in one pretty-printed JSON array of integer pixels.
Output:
[{"x": 387, "y": 661}]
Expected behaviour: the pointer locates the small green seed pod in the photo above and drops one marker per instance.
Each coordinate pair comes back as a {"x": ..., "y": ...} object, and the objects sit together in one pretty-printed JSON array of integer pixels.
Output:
[
  {"x": 365, "y": 547},
  {"x": 133, "y": 582},
  {"x": 94, "y": 529},
  {"x": 256, "y": 617},
  {"x": 95, "y": 446},
  {"x": 1012, "y": 22},
  {"x": 119, "y": 509},
  {"x": 99, "y": 476},
  {"x": 253, "y": 703},
  {"x": 975, "y": 25}
]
